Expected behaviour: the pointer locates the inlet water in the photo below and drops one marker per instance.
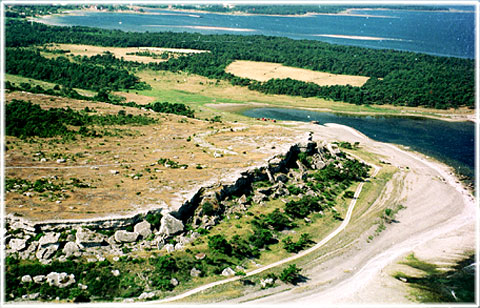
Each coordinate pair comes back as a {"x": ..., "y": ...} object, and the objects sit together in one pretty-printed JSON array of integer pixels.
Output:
[{"x": 450, "y": 142}]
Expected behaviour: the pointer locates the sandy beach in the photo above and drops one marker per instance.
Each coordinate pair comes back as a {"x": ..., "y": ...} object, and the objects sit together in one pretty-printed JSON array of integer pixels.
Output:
[{"x": 438, "y": 224}]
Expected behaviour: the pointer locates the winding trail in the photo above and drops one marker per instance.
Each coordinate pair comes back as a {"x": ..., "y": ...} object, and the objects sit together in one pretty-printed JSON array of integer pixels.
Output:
[{"x": 281, "y": 262}]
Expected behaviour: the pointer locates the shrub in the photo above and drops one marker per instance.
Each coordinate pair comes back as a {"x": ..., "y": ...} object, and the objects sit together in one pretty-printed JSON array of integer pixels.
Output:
[
  {"x": 208, "y": 209},
  {"x": 290, "y": 274},
  {"x": 219, "y": 244}
]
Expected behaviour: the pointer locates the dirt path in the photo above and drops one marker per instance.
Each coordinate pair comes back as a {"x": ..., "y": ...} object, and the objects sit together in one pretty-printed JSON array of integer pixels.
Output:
[
  {"x": 344, "y": 224},
  {"x": 438, "y": 212}
]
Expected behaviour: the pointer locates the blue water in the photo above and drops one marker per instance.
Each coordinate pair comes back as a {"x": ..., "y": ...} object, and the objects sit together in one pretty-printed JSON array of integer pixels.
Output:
[
  {"x": 439, "y": 33},
  {"x": 450, "y": 142}
]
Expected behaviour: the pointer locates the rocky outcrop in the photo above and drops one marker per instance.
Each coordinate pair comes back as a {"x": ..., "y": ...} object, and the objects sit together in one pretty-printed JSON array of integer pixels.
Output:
[
  {"x": 93, "y": 240},
  {"x": 169, "y": 225},
  {"x": 71, "y": 248},
  {"x": 60, "y": 280},
  {"x": 195, "y": 272},
  {"x": 123, "y": 236},
  {"x": 228, "y": 272},
  {"x": 144, "y": 229},
  {"x": 88, "y": 238},
  {"x": 17, "y": 244}
]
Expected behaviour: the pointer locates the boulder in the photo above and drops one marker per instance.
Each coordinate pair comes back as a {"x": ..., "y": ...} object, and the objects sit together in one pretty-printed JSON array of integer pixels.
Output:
[
  {"x": 195, "y": 272},
  {"x": 17, "y": 244},
  {"x": 266, "y": 283},
  {"x": 228, "y": 272},
  {"x": 169, "y": 247},
  {"x": 242, "y": 200},
  {"x": 146, "y": 295},
  {"x": 280, "y": 177},
  {"x": 39, "y": 278},
  {"x": 60, "y": 280},
  {"x": 200, "y": 256},
  {"x": 333, "y": 149},
  {"x": 178, "y": 246},
  {"x": 32, "y": 296},
  {"x": 116, "y": 272},
  {"x": 45, "y": 253},
  {"x": 70, "y": 248},
  {"x": 49, "y": 238},
  {"x": 26, "y": 278},
  {"x": 174, "y": 282},
  {"x": 258, "y": 197},
  {"x": 144, "y": 229},
  {"x": 169, "y": 225},
  {"x": 123, "y": 236},
  {"x": 88, "y": 238}
]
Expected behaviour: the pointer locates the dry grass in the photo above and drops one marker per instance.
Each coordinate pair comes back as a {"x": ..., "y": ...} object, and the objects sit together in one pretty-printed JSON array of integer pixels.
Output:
[
  {"x": 122, "y": 52},
  {"x": 133, "y": 150},
  {"x": 263, "y": 71}
]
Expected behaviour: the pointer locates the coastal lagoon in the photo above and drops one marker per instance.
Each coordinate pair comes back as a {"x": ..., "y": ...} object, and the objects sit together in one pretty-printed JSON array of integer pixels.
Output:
[
  {"x": 445, "y": 33},
  {"x": 450, "y": 142}
]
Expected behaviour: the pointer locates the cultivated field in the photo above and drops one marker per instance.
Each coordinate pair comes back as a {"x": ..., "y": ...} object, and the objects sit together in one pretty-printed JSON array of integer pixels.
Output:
[{"x": 263, "y": 71}]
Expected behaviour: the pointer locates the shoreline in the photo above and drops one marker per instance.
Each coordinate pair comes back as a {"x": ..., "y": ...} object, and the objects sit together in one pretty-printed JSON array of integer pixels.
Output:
[{"x": 239, "y": 108}]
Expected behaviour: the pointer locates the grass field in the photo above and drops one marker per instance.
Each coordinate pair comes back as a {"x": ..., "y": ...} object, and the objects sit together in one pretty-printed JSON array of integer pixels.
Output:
[
  {"x": 263, "y": 71},
  {"x": 122, "y": 52}
]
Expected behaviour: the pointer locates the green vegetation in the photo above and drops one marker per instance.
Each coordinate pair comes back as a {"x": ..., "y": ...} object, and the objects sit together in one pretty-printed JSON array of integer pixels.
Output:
[
  {"x": 29, "y": 63},
  {"x": 295, "y": 247},
  {"x": 439, "y": 82},
  {"x": 436, "y": 286},
  {"x": 290, "y": 274},
  {"x": 24, "y": 119}
]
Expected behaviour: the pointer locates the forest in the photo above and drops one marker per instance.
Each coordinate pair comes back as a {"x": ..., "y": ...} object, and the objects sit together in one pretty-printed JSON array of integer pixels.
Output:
[
  {"x": 294, "y": 9},
  {"x": 398, "y": 78},
  {"x": 29, "y": 63}
]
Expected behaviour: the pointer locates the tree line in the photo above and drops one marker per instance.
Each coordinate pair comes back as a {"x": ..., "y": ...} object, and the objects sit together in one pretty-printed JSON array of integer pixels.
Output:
[
  {"x": 397, "y": 77},
  {"x": 30, "y": 63}
]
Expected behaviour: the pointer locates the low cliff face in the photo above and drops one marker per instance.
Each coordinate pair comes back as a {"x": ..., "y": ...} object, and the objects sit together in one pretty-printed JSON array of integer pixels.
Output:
[{"x": 94, "y": 239}]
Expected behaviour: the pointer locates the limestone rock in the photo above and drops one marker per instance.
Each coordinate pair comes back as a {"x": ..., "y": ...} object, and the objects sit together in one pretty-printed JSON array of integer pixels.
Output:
[
  {"x": 39, "y": 278},
  {"x": 26, "y": 278},
  {"x": 32, "y": 296},
  {"x": 195, "y": 272},
  {"x": 280, "y": 177},
  {"x": 44, "y": 253},
  {"x": 146, "y": 295},
  {"x": 266, "y": 283},
  {"x": 178, "y": 246},
  {"x": 242, "y": 200},
  {"x": 144, "y": 229},
  {"x": 228, "y": 272},
  {"x": 60, "y": 280},
  {"x": 169, "y": 247},
  {"x": 123, "y": 236},
  {"x": 49, "y": 238},
  {"x": 200, "y": 256},
  {"x": 116, "y": 272},
  {"x": 174, "y": 282},
  {"x": 17, "y": 244},
  {"x": 258, "y": 197},
  {"x": 88, "y": 238},
  {"x": 169, "y": 225},
  {"x": 70, "y": 248}
]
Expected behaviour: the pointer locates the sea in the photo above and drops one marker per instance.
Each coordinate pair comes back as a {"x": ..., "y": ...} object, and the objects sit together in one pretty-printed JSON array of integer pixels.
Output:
[
  {"x": 443, "y": 33},
  {"x": 449, "y": 33}
]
